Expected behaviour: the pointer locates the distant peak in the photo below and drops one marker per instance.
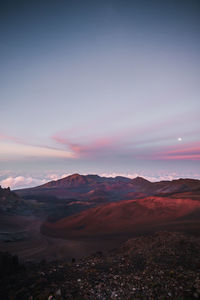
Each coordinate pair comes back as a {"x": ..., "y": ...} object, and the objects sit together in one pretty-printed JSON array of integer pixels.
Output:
[
  {"x": 123, "y": 179},
  {"x": 93, "y": 176},
  {"x": 139, "y": 179},
  {"x": 75, "y": 175}
]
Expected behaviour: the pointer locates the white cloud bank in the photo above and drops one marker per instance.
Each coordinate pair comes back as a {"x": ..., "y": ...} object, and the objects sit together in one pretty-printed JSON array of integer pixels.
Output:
[
  {"x": 20, "y": 182},
  {"x": 17, "y": 182}
]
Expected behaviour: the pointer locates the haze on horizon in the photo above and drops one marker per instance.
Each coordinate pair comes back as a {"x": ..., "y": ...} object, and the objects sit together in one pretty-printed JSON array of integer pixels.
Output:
[{"x": 102, "y": 87}]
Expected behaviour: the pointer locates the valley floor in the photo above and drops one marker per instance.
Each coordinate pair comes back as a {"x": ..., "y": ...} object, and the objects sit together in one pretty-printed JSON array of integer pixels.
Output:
[{"x": 21, "y": 236}]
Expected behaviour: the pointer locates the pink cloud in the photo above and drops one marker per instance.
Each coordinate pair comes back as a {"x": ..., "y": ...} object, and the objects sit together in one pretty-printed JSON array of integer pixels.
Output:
[
  {"x": 91, "y": 148},
  {"x": 125, "y": 143},
  {"x": 182, "y": 157},
  {"x": 10, "y": 138},
  {"x": 128, "y": 141},
  {"x": 189, "y": 151},
  {"x": 13, "y": 147}
]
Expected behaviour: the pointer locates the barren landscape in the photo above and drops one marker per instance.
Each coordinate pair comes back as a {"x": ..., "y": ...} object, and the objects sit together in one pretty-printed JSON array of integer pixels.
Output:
[{"x": 49, "y": 224}]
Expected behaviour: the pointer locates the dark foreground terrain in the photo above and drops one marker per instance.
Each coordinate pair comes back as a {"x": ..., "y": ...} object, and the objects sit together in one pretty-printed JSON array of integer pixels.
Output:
[{"x": 161, "y": 266}]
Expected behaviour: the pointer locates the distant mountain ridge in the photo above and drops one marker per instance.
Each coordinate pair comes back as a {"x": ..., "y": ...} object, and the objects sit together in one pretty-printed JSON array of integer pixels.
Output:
[
  {"x": 76, "y": 180},
  {"x": 75, "y": 183}
]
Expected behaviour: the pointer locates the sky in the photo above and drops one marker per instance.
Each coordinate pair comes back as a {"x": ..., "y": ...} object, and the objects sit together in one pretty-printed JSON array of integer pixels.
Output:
[{"x": 99, "y": 87}]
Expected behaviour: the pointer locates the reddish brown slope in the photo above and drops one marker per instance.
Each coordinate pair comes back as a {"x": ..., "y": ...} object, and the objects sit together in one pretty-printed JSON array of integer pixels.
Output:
[{"x": 122, "y": 218}]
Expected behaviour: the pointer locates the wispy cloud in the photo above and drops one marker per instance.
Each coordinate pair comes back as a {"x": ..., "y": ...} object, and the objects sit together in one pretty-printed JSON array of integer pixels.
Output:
[
  {"x": 96, "y": 147},
  {"x": 6, "y": 137},
  {"x": 187, "y": 151},
  {"x": 15, "y": 148},
  {"x": 132, "y": 145}
]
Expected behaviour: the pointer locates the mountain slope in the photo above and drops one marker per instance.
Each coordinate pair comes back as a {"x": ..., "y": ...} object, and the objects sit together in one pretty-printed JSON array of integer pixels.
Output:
[
  {"x": 122, "y": 217},
  {"x": 11, "y": 203}
]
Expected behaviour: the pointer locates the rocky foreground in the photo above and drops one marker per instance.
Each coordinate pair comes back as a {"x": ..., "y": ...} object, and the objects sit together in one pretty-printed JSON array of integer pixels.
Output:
[{"x": 163, "y": 266}]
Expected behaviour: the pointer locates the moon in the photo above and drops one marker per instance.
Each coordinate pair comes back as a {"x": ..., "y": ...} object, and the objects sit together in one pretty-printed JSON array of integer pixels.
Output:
[{"x": 179, "y": 139}]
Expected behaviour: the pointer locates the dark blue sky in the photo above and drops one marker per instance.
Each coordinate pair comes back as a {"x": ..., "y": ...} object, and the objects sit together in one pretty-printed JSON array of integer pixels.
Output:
[{"x": 99, "y": 87}]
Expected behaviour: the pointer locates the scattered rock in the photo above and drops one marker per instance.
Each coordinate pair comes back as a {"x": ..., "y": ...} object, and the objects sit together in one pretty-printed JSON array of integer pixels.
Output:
[{"x": 131, "y": 272}]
